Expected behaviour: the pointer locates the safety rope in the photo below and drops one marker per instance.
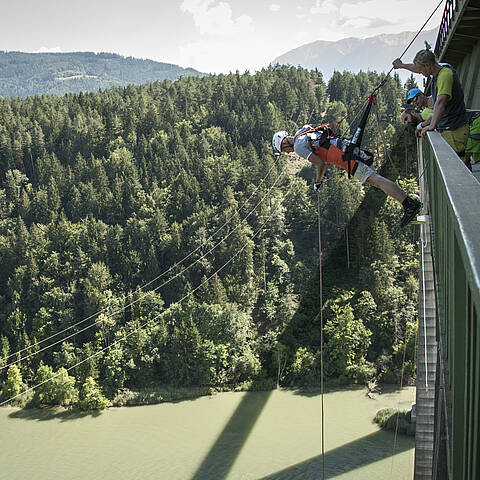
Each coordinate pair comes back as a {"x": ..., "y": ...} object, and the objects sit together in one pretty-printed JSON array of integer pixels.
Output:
[
  {"x": 387, "y": 157},
  {"x": 111, "y": 314},
  {"x": 145, "y": 324},
  {"x": 423, "y": 242},
  {"x": 355, "y": 109},
  {"x": 414, "y": 391},
  {"x": 386, "y": 152},
  {"x": 398, "y": 409},
  {"x": 408, "y": 46},
  {"x": 320, "y": 261}
]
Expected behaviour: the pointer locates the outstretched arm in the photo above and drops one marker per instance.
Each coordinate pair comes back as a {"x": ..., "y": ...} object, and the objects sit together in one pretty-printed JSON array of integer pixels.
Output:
[{"x": 397, "y": 63}]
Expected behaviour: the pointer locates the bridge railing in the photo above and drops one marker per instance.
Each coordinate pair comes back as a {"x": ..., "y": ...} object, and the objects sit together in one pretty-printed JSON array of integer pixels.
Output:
[
  {"x": 454, "y": 196},
  {"x": 448, "y": 17}
]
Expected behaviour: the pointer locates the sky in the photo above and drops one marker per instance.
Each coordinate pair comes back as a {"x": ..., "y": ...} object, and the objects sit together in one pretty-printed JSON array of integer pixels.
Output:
[{"x": 212, "y": 36}]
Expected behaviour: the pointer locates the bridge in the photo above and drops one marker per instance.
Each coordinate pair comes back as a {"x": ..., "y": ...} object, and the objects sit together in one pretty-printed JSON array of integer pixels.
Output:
[{"x": 448, "y": 356}]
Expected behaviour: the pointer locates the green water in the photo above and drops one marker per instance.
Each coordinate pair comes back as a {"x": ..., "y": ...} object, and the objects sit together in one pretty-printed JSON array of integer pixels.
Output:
[{"x": 261, "y": 435}]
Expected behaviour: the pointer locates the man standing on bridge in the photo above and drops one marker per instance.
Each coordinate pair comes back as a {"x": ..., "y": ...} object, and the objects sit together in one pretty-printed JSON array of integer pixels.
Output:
[{"x": 449, "y": 114}]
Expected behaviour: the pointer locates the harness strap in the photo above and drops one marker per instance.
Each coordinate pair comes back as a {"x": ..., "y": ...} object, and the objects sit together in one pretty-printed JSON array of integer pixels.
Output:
[
  {"x": 334, "y": 156},
  {"x": 325, "y": 128}
]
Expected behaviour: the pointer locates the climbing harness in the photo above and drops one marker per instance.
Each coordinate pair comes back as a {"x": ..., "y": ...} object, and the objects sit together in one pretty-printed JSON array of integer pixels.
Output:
[
  {"x": 343, "y": 153},
  {"x": 352, "y": 151}
]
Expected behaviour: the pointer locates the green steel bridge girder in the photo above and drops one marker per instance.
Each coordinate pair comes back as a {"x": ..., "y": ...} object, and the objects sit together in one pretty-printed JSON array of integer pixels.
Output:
[{"x": 455, "y": 227}]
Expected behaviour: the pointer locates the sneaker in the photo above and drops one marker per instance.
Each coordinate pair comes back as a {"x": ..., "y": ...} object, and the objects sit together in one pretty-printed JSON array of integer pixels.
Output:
[{"x": 411, "y": 209}]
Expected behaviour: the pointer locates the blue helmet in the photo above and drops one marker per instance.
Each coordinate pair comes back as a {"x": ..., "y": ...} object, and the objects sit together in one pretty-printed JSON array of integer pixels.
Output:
[{"x": 412, "y": 94}]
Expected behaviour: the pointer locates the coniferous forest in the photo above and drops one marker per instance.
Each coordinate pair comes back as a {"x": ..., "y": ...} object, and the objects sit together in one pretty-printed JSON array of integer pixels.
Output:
[
  {"x": 26, "y": 74},
  {"x": 150, "y": 240}
]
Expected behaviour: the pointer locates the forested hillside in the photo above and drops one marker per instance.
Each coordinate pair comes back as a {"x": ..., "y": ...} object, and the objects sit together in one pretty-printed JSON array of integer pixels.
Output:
[
  {"x": 23, "y": 74},
  {"x": 101, "y": 193}
]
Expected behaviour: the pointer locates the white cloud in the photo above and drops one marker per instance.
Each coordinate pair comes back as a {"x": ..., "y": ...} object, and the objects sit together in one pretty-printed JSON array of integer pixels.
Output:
[
  {"x": 366, "y": 18},
  {"x": 302, "y": 37},
  {"x": 358, "y": 22},
  {"x": 226, "y": 40},
  {"x": 225, "y": 43},
  {"x": 217, "y": 56},
  {"x": 48, "y": 50},
  {"x": 216, "y": 19},
  {"x": 324, "y": 8},
  {"x": 373, "y": 9},
  {"x": 274, "y": 7}
]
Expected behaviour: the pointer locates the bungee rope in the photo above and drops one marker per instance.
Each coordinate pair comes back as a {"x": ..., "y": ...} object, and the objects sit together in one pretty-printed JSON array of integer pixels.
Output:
[
  {"x": 371, "y": 99},
  {"x": 408, "y": 46},
  {"x": 320, "y": 255},
  {"x": 148, "y": 322},
  {"x": 141, "y": 297}
]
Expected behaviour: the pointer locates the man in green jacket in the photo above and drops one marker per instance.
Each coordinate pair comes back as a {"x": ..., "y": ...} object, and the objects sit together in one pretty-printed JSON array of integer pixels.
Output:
[{"x": 449, "y": 114}]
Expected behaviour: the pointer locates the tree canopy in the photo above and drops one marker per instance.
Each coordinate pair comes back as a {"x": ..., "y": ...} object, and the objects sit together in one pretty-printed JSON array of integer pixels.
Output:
[
  {"x": 26, "y": 74},
  {"x": 101, "y": 193}
]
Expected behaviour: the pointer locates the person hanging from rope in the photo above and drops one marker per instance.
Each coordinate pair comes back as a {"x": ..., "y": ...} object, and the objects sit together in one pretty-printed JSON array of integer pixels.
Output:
[
  {"x": 449, "y": 114},
  {"x": 322, "y": 149}
]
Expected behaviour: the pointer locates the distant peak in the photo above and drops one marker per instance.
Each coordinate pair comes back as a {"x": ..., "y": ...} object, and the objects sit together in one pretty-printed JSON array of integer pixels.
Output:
[{"x": 354, "y": 54}]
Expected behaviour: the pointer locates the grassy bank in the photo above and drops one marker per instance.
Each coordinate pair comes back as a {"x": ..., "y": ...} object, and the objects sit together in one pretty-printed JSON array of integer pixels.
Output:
[{"x": 395, "y": 420}]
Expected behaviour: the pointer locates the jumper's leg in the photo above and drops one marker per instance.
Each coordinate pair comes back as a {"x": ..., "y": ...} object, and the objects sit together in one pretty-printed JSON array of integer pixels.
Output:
[{"x": 390, "y": 188}]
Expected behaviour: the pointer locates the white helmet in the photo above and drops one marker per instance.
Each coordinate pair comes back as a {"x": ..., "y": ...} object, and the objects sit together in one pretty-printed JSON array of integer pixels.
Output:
[{"x": 277, "y": 140}]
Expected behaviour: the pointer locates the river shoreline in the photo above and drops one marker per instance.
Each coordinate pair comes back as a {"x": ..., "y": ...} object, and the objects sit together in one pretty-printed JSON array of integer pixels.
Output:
[
  {"x": 159, "y": 394},
  {"x": 230, "y": 435}
]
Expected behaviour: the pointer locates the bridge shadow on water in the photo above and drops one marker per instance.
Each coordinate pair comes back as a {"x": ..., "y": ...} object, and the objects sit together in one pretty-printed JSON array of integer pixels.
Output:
[
  {"x": 356, "y": 454},
  {"x": 360, "y": 452},
  {"x": 221, "y": 457}
]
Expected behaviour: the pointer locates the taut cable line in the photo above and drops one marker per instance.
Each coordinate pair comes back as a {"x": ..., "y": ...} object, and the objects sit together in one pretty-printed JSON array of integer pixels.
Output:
[
  {"x": 320, "y": 259},
  {"x": 141, "y": 297},
  {"x": 408, "y": 46},
  {"x": 145, "y": 324}
]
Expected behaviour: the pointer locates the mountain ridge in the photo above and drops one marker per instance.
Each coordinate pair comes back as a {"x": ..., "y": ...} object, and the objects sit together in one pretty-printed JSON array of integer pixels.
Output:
[
  {"x": 355, "y": 54},
  {"x": 23, "y": 73}
]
